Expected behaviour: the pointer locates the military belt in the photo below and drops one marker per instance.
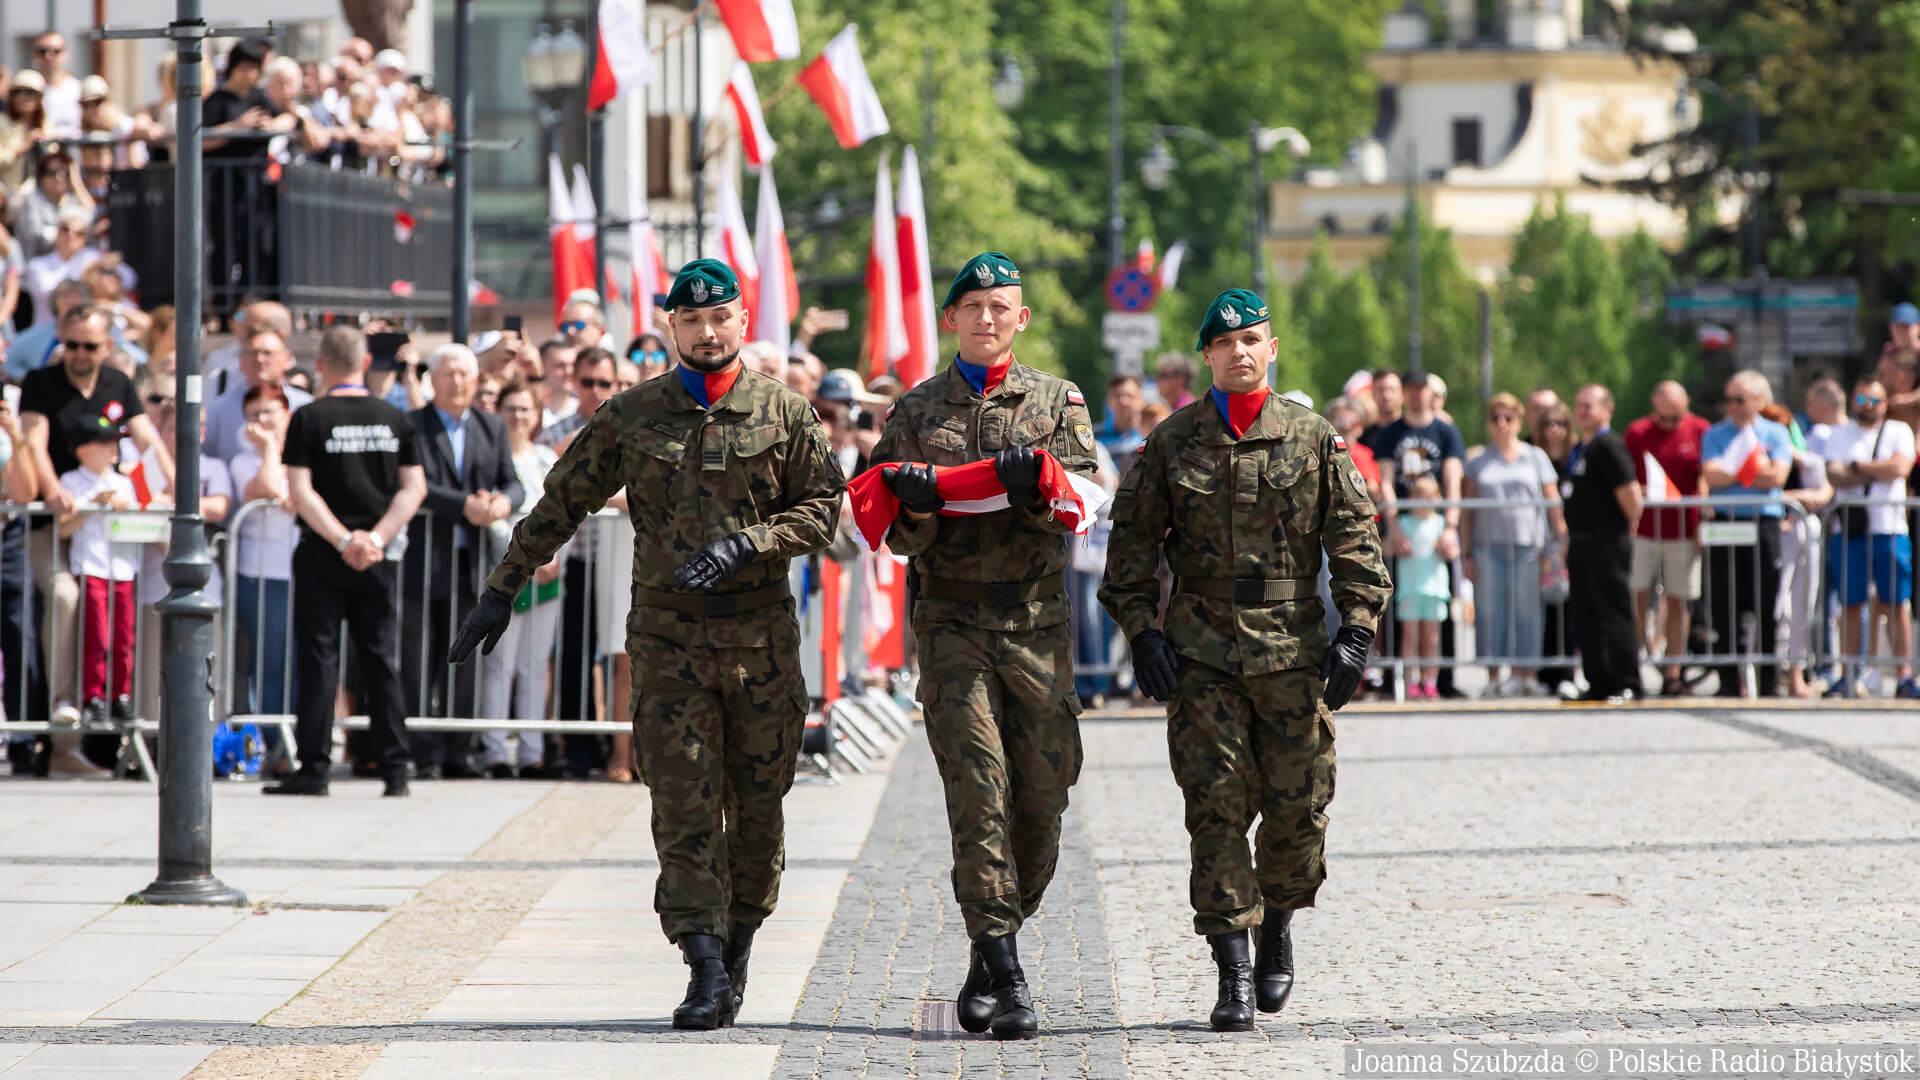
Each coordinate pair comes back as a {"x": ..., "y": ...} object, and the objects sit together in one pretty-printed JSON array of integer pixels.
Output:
[
  {"x": 714, "y": 606},
  {"x": 994, "y": 593},
  {"x": 1249, "y": 590}
]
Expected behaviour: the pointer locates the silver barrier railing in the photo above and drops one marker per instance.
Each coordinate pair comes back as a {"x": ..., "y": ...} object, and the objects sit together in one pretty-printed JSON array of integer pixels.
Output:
[
  {"x": 1865, "y": 580},
  {"x": 1709, "y": 575}
]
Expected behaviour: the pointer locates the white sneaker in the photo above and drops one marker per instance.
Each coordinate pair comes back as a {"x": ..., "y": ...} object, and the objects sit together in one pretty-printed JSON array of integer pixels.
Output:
[
  {"x": 1496, "y": 689},
  {"x": 1514, "y": 686},
  {"x": 1567, "y": 690},
  {"x": 65, "y": 715}
]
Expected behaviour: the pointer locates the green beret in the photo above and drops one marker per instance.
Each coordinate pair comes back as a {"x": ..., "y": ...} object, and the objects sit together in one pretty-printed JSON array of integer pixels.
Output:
[
  {"x": 1230, "y": 311},
  {"x": 987, "y": 270},
  {"x": 703, "y": 283}
]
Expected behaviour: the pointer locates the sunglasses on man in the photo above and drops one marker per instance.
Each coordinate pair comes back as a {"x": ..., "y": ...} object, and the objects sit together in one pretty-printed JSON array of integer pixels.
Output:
[
  {"x": 573, "y": 327},
  {"x": 1864, "y": 401},
  {"x": 598, "y": 384}
]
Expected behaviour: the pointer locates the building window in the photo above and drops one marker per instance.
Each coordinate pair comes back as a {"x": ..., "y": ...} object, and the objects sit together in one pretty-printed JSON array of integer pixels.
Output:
[{"x": 1466, "y": 142}]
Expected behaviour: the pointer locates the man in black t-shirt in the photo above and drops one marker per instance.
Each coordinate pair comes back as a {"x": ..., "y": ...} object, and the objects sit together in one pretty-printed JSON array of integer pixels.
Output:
[
  {"x": 1602, "y": 512},
  {"x": 353, "y": 469},
  {"x": 79, "y": 390},
  {"x": 240, "y": 231}
]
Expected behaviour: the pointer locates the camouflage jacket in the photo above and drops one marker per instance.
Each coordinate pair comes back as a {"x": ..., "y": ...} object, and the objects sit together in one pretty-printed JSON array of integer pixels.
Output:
[
  {"x": 757, "y": 462},
  {"x": 1264, "y": 506},
  {"x": 944, "y": 422}
]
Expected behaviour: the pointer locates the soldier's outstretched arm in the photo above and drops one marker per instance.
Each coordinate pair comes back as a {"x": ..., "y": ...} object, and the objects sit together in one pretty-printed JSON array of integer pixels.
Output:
[
  {"x": 814, "y": 487},
  {"x": 1071, "y": 444},
  {"x": 578, "y": 485},
  {"x": 899, "y": 443},
  {"x": 1358, "y": 570},
  {"x": 1130, "y": 591}
]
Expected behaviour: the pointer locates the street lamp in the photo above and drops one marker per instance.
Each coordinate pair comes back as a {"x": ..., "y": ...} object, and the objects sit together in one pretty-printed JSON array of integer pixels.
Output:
[
  {"x": 554, "y": 66},
  {"x": 1156, "y": 170},
  {"x": 1009, "y": 88},
  {"x": 1750, "y": 137}
]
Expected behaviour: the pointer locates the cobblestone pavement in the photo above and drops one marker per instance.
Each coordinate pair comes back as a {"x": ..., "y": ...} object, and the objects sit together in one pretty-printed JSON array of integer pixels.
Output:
[{"x": 1571, "y": 876}]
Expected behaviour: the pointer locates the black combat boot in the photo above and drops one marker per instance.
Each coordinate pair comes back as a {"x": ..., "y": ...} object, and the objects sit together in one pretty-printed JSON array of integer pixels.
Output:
[
  {"x": 1013, "y": 1016},
  {"x": 1234, "y": 1010},
  {"x": 709, "y": 1001},
  {"x": 974, "y": 1006},
  {"x": 1273, "y": 961},
  {"x": 739, "y": 947}
]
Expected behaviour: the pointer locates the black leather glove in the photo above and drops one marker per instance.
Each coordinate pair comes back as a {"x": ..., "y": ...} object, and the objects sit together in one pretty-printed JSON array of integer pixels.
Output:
[
  {"x": 716, "y": 562},
  {"x": 914, "y": 486},
  {"x": 1155, "y": 665},
  {"x": 1019, "y": 472},
  {"x": 1345, "y": 664},
  {"x": 487, "y": 621}
]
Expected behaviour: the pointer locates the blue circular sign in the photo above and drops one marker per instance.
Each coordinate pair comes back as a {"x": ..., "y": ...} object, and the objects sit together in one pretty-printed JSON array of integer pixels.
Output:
[{"x": 1132, "y": 289}]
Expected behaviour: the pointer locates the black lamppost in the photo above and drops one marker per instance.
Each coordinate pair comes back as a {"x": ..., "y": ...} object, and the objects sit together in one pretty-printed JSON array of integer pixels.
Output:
[
  {"x": 1156, "y": 169},
  {"x": 1009, "y": 90},
  {"x": 1750, "y": 168}
]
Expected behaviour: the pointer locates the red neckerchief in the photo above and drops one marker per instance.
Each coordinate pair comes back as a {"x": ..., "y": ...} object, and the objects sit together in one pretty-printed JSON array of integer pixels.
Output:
[{"x": 1240, "y": 410}]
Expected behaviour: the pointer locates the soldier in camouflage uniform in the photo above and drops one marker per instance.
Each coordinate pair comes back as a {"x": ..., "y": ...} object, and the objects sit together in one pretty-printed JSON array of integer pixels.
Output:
[
  {"x": 728, "y": 476},
  {"x": 990, "y": 615},
  {"x": 1243, "y": 490}
]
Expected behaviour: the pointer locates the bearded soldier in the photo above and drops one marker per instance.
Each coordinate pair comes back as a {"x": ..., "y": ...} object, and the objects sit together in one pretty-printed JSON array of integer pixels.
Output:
[
  {"x": 990, "y": 615},
  {"x": 728, "y": 475},
  {"x": 1243, "y": 490}
]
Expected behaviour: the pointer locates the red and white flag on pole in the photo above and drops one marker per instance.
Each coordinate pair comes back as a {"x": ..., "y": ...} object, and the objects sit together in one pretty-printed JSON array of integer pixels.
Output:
[
  {"x": 779, "y": 293},
  {"x": 1744, "y": 457},
  {"x": 572, "y": 265},
  {"x": 761, "y": 29},
  {"x": 971, "y": 489},
  {"x": 1170, "y": 265},
  {"x": 736, "y": 244},
  {"x": 585, "y": 215},
  {"x": 1143, "y": 257},
  {"x": 837, "y": 80},
  {"x": 755, "y": 142},
  {"x": 886, "y": 332},
  {"x": 1660, "y": 487},
  {"x": 622, "y": 60},
  {"x": 916, "y": 278}
]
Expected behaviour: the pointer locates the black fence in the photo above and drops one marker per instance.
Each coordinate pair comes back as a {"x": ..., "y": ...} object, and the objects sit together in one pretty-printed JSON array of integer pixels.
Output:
[{"x": 314, "y": 239}]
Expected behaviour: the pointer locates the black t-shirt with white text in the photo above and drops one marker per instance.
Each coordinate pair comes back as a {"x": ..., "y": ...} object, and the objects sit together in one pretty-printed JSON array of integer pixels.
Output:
[
  {"x": 355, "y": 447},
  {"x": 1417, "y": 451},
  {"x": 1601, "y": 467}
]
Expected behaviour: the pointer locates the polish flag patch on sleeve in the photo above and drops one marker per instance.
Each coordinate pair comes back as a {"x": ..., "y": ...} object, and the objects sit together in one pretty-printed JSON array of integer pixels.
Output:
[
  {"x": 1339, "y": 444},
  {"x": 1075, "y": 397}
]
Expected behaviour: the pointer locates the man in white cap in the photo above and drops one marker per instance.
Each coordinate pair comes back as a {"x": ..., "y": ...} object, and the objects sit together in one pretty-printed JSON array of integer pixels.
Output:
[{"x": 390, "y": 68}]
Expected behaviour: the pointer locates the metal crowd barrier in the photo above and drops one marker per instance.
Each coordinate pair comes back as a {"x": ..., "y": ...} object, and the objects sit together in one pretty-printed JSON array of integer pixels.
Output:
[
  {"x": 1863, "y": 567},
  {"x": 566, "y": 669},
  {"x": 1521, "y": 612}
]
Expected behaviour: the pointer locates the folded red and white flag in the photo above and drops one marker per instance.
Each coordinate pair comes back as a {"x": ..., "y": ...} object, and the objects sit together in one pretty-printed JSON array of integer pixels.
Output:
[
  {"x": 1660, "y": 487},
  {"x": 1744, "y": 457},
  {"x": 974, "y": 488}
]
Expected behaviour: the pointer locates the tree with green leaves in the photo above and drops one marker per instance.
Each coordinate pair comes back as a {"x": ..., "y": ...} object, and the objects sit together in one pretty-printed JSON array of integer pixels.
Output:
[
  {"x": 1566, "y": 306},
  {"x": 1342, "y": 321}
]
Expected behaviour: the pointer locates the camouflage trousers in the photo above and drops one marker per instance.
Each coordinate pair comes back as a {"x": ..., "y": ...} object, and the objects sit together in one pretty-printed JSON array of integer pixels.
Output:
[
  {"x": 1247, "y": 746},
  {"x": 1004, "y": 723},
  {"x": 717, "y": 732}
]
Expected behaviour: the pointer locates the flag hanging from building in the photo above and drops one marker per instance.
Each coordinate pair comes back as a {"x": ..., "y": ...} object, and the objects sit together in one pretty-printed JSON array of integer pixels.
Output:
[
  {"x": 622, "y": 61},
  {"x": 917, "y": 300},
  {"x": 755, "y": 141},
  {"x": 585, "y": 217},
  {"x": 970, "y": 489},
  {"x": 736, "y": 244},
  {"x": 762, "y": 29},
  {"x": 837, "y": 81},
  {"x": 886, "y": 331},
  {"x": 779, "y": 293}
]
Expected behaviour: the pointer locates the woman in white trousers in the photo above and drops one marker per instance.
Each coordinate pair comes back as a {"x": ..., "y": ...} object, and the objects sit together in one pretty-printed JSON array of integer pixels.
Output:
[{"x": 515, "y": 675}]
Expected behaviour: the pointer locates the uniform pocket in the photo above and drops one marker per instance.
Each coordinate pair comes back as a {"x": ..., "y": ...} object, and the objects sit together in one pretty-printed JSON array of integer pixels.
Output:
[
  {"x": 1297, "y": 479},
  {"x": 944, "y": 446},
  {"x": 753, "y": 469}
]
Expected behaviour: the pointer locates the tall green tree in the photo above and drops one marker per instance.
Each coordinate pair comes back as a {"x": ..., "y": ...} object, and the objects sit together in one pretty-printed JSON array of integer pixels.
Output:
[
  {"x": 1566, "y": 306},
  {"x": 1340, "y": 315}
]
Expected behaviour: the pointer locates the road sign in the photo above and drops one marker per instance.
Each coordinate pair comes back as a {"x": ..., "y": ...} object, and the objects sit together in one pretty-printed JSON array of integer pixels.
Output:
[
  {"x": 1821, "y": 316},
  {"x": 1131, "y": 289},
  {"x": 1125, "y": 332}
]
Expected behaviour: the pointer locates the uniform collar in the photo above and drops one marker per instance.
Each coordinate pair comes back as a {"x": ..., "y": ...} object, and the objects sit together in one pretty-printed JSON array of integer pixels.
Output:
[
  {"x": 1270, "y": 424},
  {"x": 1241, "y": 410},
  {"x": 709, "y": 388},
  {"x": 684, "y": 400},
  {"x": 1017, "y": 380}
]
